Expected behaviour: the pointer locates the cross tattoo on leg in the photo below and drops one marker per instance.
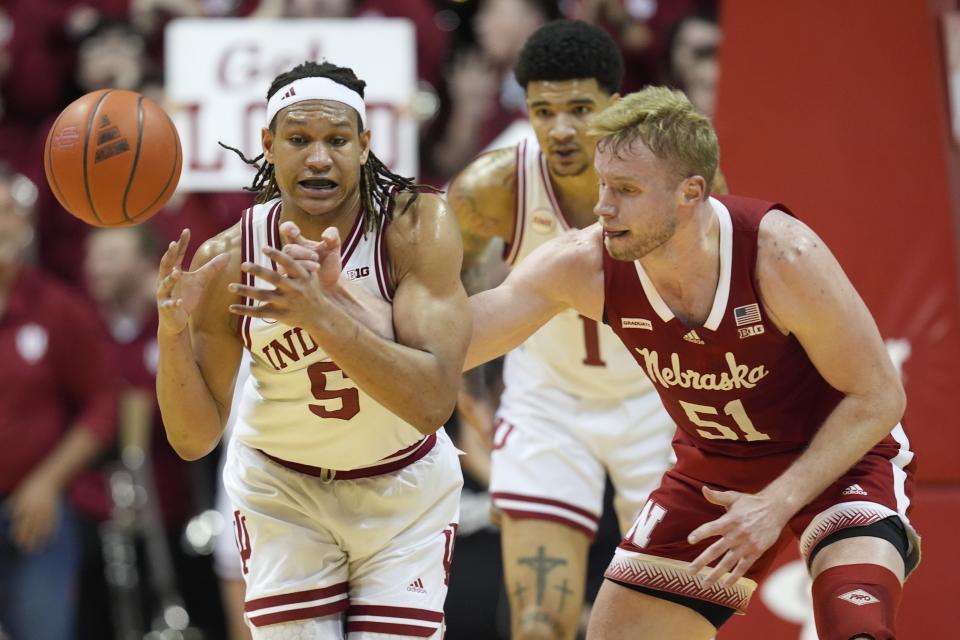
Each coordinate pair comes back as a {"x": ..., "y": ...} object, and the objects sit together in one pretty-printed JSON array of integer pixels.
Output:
[
  {"x": 541, "y": 565},
  {"x": 518, "y": 593},
  {"x": 564, "y": 592}
]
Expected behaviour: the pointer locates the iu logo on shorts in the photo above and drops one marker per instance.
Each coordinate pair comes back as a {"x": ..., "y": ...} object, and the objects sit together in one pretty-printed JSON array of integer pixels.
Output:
[{"x": 242, "y": 538}]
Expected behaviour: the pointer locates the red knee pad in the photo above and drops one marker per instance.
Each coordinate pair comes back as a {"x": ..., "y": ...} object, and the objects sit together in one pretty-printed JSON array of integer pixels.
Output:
[{"x": 854, "y": 600}]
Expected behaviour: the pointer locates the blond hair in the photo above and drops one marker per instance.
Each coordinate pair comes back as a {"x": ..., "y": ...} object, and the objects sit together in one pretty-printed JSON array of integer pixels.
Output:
[{"x": 668, "y": 124}]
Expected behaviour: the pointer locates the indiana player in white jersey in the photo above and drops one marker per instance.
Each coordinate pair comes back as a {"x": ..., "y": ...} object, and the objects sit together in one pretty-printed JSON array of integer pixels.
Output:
[
  {"x": 575, "y": 405},
  {"x": 344, "y": 484}
]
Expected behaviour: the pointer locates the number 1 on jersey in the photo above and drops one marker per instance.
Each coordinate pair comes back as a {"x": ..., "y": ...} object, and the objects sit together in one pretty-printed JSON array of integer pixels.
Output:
[{"x": 591, "y": 340}]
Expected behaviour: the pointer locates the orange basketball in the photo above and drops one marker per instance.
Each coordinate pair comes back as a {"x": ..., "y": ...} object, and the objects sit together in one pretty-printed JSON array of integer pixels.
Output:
[{"x": 113, "y": 158}]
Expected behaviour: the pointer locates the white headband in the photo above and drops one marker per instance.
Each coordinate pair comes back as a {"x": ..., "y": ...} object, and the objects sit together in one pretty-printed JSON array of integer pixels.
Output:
[{"x": 315, "y": 89}]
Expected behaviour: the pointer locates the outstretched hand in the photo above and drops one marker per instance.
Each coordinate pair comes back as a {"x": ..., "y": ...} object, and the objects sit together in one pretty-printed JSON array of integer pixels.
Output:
[
  {"x": 321, "y": 257},
  {"x": 751, "y": 525},
  {"x": 179, "y": 291}
]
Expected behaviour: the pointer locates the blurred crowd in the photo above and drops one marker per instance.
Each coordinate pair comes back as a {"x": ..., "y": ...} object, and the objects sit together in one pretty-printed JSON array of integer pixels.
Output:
[{"x": 85, "y": 469}]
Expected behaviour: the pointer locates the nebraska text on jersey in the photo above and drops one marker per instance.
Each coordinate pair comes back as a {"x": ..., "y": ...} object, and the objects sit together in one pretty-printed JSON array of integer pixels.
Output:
[{"x": 738, "y": 376}]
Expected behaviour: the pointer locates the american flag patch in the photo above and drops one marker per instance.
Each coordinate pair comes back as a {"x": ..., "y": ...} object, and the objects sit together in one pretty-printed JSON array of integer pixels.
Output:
[{"x": 747, "y": 314}]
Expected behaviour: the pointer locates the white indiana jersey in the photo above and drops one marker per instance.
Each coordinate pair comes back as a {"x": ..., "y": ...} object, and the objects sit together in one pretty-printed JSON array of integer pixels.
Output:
[
  {"x": 297, "y": 404},
  {"x": 573, "y": 353}
]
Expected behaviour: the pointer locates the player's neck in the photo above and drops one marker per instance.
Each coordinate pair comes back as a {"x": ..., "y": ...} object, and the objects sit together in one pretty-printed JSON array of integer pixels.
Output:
[
  {"x": 342, "y": 217},
  {"x": 686, "y": 268},
  {"x": 577, "y": 196}
]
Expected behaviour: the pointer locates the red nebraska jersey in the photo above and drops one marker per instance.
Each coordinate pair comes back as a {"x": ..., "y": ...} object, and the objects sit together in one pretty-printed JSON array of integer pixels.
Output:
[{"x": 736, "y": 385}]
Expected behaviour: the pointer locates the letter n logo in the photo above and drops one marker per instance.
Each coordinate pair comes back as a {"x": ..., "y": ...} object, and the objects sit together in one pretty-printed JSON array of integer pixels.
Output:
[
  {"x": 651, "y": 515},
  {"x": 242, "y": 537}
]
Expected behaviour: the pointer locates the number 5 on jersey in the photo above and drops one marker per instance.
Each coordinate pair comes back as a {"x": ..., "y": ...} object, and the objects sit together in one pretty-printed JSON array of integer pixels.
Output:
[{"x": 349, "y": 398}]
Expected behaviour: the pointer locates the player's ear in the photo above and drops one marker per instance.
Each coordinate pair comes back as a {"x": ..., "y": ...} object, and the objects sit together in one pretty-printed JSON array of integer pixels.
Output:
[
  {"x": 364, "y": 146},
  {"x": 266, "y": 139},
  {"x": 693, "y": 190}
]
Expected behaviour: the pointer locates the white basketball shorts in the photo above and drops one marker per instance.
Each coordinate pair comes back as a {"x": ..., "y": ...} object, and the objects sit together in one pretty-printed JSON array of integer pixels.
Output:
[
  {"x": 376, "y": 550},
  {"x": 552, "y": 450}
]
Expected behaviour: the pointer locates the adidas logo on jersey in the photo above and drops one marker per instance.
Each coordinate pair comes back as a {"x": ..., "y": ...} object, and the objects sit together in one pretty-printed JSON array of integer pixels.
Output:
[
  {"x": 854, "y": 490},
  {"x": 416, "y": 586},
  {"x": 859, "y": 597},
  {"x": 693, "y": 337}
]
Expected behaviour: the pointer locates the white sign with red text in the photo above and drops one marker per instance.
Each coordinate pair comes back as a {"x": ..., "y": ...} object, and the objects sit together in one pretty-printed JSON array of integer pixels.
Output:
[{"x": 218, "y": 72}]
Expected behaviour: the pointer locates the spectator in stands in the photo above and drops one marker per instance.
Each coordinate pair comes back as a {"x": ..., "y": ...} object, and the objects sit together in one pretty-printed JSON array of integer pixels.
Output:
[
  {"x": 641, "y": 30},
  {"x": 483, "y": 96},
  {"x": 432, "y": 42},
  {"x": 120, "y": 273},
  {"x": 57, "y": 413},
  {"x": 691, "y": 58}
]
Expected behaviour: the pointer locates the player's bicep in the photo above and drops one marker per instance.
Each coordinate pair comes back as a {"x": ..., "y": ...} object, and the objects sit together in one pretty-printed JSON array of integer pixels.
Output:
[
  {"x": 809, "y": 295},
  {"x": 430, "y": 311}
]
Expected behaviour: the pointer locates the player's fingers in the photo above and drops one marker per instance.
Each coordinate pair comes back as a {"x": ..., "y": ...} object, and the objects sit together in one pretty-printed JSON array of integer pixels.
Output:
[
  {"x": 298, "y": 252},
  {"x": 255, "y": 293},
  {"x": 168, "y": 282},
  {"x": 726, "y": 564},
  {"x": 259, "y": 311},
  {"x": 738, "y": 572},
  {"x": 331, "y": 239},
  {"x": 169, "y": 257},
  {"x": 709, "y": 554},
  {"x": 268, "y": 275},
  {"x": 182, "y": 244},
  {"x": 290, "y": 266},
  {"x": 720, "y": 498},
  {"x": 709, "y": 529},
  {"x": 170, "y": 304}
]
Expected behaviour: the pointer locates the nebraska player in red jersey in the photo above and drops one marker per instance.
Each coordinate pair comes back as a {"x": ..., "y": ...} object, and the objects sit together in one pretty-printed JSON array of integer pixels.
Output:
[{"x": 770, "y": 363}]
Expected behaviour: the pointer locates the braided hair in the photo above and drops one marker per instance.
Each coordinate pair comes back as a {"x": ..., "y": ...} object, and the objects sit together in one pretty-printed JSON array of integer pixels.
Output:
[{"x": 379, "y": 187}]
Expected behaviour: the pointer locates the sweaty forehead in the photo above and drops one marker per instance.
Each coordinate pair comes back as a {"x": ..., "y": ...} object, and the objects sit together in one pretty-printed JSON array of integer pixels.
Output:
[
  {"x": 327, "y": 112},
  {"x": 563, "y": 91}
]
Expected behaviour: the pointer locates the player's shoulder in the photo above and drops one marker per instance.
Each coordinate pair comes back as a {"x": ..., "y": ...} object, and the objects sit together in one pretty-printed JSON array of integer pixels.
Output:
[
  {"x": 490, "y": 173},
  {"x": 421, "y": 222},
  {"x": 227, "y": 242},
  {"x": 784, "y": 242},
  {"x": 483, "y": 195}
]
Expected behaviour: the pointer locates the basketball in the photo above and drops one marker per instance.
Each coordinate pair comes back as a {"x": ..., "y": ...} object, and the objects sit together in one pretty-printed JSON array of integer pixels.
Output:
[{"x": 113, "y": 158}]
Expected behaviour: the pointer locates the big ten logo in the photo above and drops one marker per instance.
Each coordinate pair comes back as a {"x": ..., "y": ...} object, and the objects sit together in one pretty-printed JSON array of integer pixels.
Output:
[
  {"x": 359, "y": 272},
  {"x": 204, "y": 128}
]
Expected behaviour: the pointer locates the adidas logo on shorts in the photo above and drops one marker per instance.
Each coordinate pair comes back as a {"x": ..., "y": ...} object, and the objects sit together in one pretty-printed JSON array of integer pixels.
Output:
[
  {"x": 854, "y": 490},
  {"x": 417, "y": 586}
]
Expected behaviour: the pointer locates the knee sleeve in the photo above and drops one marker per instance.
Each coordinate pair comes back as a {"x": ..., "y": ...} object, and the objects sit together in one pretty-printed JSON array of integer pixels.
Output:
[{"x": 856, "y": 600}]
